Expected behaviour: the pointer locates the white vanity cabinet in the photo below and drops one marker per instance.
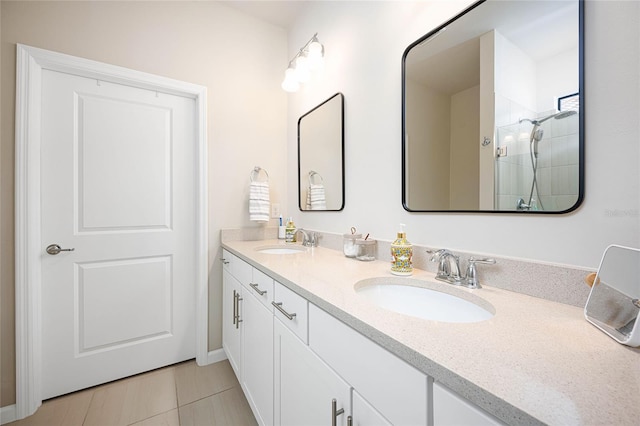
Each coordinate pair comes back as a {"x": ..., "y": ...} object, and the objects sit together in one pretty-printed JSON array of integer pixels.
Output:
[
  {"x": 363, "y": 414},
  {"x": 257, "y": 362},
  {"x": 304, "y": 385},
  {"x": 396, "y": 390},
  {"x": 232, "y": 321},
  {"x": 293, "y": 359},
  {"x": 248, "y": 332},
  {"x": 450, "y": 409}
]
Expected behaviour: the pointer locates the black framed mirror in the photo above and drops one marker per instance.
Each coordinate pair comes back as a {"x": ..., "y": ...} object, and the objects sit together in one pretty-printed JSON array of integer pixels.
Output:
[
  {"x": 321, "y": 157},
  {"x": 491, "y": 110}
]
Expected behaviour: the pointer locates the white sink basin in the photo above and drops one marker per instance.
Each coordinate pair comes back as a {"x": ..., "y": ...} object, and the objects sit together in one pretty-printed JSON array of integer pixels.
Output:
[
  {"x": 281, "y": 249},
  {"x": 411, "y": 297}
]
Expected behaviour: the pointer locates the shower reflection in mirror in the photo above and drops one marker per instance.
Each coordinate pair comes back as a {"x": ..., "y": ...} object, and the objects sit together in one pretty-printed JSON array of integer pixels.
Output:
[
  {"x": 537, "y": 162},
  {"x": 483, "y": 128}
]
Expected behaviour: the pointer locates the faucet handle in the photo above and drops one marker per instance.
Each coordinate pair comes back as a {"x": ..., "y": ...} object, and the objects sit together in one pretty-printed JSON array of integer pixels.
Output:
[
  {"x": 448, "y": 265},
  {"x": 439, "y": 254},
  {"x": 487, "y": 261},
  {"x": 313, "y": 239},
  {"x": 472, "y": 273}
]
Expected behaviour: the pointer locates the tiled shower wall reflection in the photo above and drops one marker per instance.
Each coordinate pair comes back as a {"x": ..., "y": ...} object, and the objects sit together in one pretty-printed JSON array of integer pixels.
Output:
[{"x": 558, "y": 162}]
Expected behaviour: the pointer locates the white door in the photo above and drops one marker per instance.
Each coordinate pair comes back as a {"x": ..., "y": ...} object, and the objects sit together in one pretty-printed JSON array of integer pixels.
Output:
[{"x": 118, "y": 186}]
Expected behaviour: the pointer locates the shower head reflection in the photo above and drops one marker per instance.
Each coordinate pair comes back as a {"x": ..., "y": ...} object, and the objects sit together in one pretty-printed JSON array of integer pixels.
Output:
[{"x": 558, "y": 116}]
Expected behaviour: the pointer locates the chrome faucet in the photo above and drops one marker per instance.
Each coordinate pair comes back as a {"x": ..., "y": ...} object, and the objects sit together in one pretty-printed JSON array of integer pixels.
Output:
[
  {"x": 449, "y": 269},
  {"x": 448, "y": 266},
  {"x": 308, "y": 239},
  {"x": 471, "y": 278}
]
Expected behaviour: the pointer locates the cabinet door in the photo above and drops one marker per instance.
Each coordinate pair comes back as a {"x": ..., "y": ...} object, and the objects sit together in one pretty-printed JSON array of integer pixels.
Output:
[
  {"x": 393, "y": 387},
  {"x": 304, "y": 385},
  {"x": 257, "y": 360},
  {"x": 364, "y": 414},
  {"x": 451, "y": 409},
  {"x": 232, "y": 321}
]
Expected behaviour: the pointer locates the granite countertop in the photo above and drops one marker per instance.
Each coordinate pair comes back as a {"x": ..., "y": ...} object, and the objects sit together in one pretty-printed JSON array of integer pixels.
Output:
[{"x": 535, "y": 361}]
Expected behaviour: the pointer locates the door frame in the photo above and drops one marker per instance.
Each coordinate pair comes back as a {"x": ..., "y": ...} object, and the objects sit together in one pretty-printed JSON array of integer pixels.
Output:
[{"x": 31, "y": 62}]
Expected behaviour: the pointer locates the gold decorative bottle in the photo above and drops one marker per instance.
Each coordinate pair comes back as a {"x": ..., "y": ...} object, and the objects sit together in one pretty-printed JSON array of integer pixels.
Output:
[
  {"x": 401, "y": 253},
  {"x": 290, "y": 232}
]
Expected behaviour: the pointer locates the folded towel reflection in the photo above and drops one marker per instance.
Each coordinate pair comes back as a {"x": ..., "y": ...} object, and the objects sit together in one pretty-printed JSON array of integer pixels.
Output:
[
  {"x": 258, "y": 199},
  {"x": 316, "y": 199}
]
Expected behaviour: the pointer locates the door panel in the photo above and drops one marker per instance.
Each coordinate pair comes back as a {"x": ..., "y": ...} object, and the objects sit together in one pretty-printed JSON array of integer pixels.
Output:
[
  {"x": 111, "y": 297},
  {"x": 115, "y": 136},
  {"x": 118, "y": 187}
]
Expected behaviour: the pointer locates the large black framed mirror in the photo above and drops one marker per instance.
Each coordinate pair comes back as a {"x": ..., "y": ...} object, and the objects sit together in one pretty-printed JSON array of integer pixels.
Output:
[
  {"x": 491, "y": 110},
  {"x": 321, "y": 157}
]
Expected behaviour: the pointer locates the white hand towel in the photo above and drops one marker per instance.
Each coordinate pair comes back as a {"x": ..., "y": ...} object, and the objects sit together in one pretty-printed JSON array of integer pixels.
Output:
[
  {"x": 308, "y": 204},
  {"x": 317, "y": 197},
  {"x": 259, "y": 201}
]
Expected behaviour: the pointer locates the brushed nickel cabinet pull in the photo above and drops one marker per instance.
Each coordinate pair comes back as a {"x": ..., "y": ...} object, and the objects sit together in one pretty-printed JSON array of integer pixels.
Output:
[
  {"x": 281, "y": 309},
  {"x": 255, "y": 287},
  {"x": 235, "y": 307},
  {"x": 335, "y": 412},
  {"x": 238, "y": 320},
  {"x": 224, "y": 261}
]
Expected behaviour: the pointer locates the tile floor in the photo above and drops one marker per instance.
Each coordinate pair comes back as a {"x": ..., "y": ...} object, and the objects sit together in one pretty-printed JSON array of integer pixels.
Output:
[{"x": 182, "y": 394}]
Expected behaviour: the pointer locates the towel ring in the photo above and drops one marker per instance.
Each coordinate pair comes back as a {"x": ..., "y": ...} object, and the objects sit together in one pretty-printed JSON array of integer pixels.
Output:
[
  {"x": 255, "y": 173},
  {"x": 312, "y": 175}
]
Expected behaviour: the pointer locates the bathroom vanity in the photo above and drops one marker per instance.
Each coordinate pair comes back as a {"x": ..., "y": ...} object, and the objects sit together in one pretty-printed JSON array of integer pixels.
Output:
[{"x": 307, "y": 348}]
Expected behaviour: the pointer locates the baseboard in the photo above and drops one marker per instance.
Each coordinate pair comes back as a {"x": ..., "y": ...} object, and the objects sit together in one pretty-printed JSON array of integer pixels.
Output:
[
  {"x": 216, "y": 356},
  {"x": 7, "y": 414}
]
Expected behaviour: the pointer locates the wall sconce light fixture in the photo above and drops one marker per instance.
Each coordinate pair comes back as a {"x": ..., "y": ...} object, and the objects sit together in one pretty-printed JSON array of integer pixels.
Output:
[{"x": 310, "y": 58}]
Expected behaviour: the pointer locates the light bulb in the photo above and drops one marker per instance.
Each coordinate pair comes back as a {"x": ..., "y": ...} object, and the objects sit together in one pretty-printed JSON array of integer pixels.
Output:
[
  {"x": 302, "y": 69},
  {"x": 315, "y": 56},
  {"x": 290, "y": 82},
  {"x": 315, "y": 46}
]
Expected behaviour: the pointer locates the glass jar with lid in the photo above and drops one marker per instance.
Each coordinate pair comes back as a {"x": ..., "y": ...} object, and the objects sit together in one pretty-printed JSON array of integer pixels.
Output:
[
  {"x": 349, "y": 243},
  {"x": 365, "y": 249}
]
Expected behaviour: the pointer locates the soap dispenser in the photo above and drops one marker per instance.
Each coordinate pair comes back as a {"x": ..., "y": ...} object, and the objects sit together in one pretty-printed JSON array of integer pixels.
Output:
[
  {"x": 290, "y": 231},
  {"x": 401, "y": 253}
]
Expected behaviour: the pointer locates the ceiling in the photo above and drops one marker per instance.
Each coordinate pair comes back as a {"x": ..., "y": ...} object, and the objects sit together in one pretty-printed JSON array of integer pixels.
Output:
[{"x": 280, "y": 13}]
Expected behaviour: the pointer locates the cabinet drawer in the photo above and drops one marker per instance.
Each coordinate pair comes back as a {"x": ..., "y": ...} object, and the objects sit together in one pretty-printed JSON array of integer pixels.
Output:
[
  {"x": 364, "y": 414},
  {"x": 396, "y": 389},
  {"x": 240, "y": 269},
  {"x": 226, "y": 260},
  {"x": 261, "y": 286},
  {"x": 291, "y": 304},
  {"x": 450, "y": 409}
]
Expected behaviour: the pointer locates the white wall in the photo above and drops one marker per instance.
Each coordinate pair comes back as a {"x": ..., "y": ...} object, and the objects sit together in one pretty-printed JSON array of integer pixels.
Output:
[
  {"x": 464, "y": 176},
  {"x": 238, "y": 58},
  {"x": 364, "y": 43},
  {"x": 555, "y": 78},
  {"x": 515, "y": 73},
  {"x": 428, "y": 115}
]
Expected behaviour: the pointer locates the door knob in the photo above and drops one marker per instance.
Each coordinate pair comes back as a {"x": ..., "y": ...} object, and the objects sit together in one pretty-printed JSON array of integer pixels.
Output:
[{"x": 54, "y": 249}]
